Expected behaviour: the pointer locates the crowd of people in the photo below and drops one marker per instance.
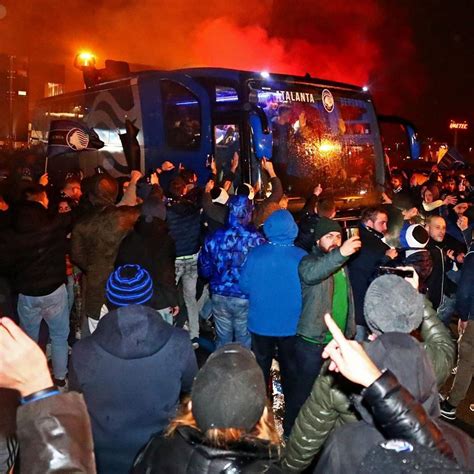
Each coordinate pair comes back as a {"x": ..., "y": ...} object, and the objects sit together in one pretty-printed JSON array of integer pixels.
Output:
[{"x": 126, "y": 284}]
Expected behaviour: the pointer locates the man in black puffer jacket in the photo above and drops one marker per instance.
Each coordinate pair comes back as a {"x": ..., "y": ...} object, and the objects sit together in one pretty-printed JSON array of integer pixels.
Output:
[{"x": 36, "y": 251}]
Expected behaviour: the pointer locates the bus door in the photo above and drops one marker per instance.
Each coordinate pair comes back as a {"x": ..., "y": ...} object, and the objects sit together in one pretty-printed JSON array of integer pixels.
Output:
[
  {"x": 176, "y": 122},
  {"x": 227, "y": 136}
]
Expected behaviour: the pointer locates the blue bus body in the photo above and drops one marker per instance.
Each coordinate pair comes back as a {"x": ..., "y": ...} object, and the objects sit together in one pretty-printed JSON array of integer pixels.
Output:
[{"x": 314, "y": 130}]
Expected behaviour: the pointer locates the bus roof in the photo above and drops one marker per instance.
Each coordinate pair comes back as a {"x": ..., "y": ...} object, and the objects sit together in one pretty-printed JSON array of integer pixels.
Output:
[{"x": 218, "y": 73}]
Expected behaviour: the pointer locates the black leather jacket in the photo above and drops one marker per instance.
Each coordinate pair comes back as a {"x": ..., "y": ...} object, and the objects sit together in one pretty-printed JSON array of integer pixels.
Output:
[
  {"x": 185, "y": 452},
  {"x": 398, "y": 415}
]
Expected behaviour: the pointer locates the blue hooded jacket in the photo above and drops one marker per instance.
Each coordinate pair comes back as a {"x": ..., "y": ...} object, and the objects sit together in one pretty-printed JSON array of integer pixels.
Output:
[
  {"x": 270, "y": 279},
  {"x": 224, "y": 252}
]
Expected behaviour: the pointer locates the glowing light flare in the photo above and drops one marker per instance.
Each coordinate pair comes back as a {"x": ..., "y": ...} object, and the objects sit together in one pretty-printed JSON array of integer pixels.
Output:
[
  {"x": 265, "y": 74},
  {"x": 365, "y": 88},
  {"x": 84, "y": 59},
  {"x": 327, "y": 146}
]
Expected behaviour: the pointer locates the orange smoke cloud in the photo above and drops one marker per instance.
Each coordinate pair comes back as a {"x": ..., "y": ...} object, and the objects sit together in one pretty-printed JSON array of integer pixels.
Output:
[{"x": 338, "y": 40}]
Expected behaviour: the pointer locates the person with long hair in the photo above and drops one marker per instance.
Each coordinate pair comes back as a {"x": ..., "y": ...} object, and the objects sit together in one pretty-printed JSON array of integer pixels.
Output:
[
  {"x": 432, "y": 204},
  {"x": 226, "y": 425}
]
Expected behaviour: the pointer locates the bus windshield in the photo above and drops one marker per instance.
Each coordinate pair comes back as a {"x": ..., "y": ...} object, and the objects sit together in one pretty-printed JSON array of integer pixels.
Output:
[{"x": 322, "y": 136}]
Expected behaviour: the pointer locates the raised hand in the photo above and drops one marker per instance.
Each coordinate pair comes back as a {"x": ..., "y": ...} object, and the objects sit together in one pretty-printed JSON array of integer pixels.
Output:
[
  {"x": 349, "y": 357},
  {"x": 350, "y": 246},
  {"x": 23, "y": 366}
]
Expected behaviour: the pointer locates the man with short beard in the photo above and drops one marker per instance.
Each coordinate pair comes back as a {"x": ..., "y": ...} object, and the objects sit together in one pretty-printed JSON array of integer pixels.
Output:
[
  {"x": 363, "y": 266},
  {"x": 326, "y": 289},
  {"x": 444, "y": 249}
]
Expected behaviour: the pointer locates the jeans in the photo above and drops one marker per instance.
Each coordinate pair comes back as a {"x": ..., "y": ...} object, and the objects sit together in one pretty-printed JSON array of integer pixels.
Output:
[
  {"x": 205, "y": 303},
  {"x": 70, "y": 292},
  {"x": 446, "y": 309},
  {"x": 230, "y": 319},
  {"x": 53, "y": 308},
  {"x": 462, "y": 380},
  {"x": 309, "y": 362},
  {"x": 265, "y": 348},
  {"x": 186, "y": 271}
]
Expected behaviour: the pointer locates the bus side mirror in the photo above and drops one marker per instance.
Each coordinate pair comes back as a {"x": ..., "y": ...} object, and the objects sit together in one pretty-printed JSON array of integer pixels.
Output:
[{"x": 261, "y": 134}]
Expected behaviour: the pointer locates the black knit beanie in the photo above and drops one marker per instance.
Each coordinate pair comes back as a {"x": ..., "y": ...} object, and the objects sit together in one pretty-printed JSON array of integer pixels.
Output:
[
  {"x": 324, "y": 226},
  {"x": 229, "y": 391}
]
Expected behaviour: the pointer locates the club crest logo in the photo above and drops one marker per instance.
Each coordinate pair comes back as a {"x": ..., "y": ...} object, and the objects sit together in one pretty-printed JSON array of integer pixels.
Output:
[
  {"x": 328, "y": 100},
  {"x": 397, "y": 445},
  {"x": 77, "y": 139}
]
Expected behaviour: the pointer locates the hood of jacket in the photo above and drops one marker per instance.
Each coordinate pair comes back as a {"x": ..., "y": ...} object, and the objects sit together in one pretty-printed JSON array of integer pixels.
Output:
[
  {"x": 147, "y": 228},
  {"x": 132, "y": 332},
  {"x": 280, "y": 227},
  {"x": 240, "y": 211},
  {"x": 405, "y": 357},
  {"x": 29, "y": 216}
]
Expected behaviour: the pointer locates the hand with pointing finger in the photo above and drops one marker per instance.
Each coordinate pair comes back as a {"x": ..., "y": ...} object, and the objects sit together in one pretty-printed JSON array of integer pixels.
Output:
[{"x": 349, "y": 357}]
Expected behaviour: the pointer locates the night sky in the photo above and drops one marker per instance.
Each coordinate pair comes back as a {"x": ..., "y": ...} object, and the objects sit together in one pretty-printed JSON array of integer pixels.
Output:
[
  {"x": 416, "y": 55},
  {"x": 443, "y": 33}
]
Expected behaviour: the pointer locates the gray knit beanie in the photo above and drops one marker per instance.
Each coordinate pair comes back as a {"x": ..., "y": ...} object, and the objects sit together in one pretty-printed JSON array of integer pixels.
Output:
[{"x": 392, "y": 305}]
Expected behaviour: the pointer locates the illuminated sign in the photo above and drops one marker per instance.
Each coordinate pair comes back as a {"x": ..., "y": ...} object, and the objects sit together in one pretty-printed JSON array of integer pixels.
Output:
[
  {"x": 290, "y": 96},
  {"x": 294, "y": 96},
  {"x": 458, "y": 125}
]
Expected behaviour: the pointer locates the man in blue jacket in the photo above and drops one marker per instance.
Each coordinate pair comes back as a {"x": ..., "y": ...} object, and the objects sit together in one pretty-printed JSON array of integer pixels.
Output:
[
  {"x": 221, "y": 260},
  {"x": 270, "y": 279}
]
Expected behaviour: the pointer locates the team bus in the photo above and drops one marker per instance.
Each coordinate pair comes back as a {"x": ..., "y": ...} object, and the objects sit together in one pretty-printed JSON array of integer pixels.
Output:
[{"x": 315, "y": 131}]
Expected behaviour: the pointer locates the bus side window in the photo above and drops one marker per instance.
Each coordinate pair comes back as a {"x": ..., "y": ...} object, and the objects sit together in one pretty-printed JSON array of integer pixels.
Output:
[
  {"x": 181, "y": 116},
  {"x": 227, "y": 142}
]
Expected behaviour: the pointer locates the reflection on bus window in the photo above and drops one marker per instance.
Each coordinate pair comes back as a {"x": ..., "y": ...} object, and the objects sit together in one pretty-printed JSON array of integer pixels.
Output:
[
  {"x": 226, "y": 94},
  {"x": 227, "y": 142},
  {"x": 182, "y": 116},
  {"x": 312, "y": 145}
]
